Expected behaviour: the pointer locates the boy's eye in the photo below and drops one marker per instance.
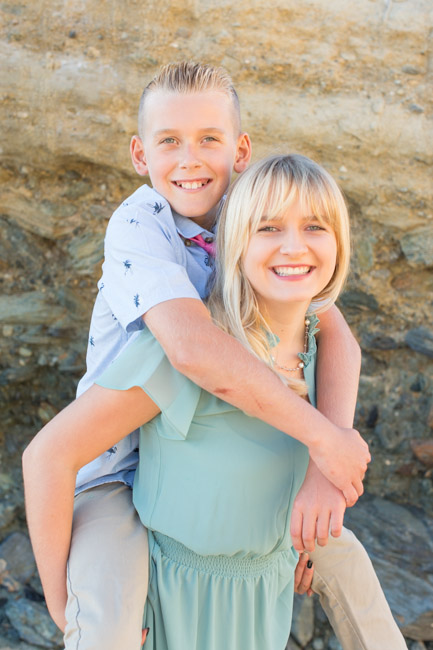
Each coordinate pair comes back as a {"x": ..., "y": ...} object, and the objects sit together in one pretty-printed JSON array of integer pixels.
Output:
[
  {"x": 209, "y": 138},
  {"x": 168, "y": 141}
]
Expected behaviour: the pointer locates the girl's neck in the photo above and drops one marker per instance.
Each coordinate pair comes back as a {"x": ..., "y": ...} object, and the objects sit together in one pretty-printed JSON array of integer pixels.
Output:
[{"x": 288, "y": 324}]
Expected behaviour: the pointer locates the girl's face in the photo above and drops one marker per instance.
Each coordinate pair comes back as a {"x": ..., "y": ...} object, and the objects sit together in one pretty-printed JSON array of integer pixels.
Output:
[{"x": 290, "y": 258}]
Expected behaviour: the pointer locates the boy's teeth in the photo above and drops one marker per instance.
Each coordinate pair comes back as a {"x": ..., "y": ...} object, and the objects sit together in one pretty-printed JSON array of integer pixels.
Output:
[
  {"x": 291, "y": 270},
  {"x": 191, "y": 186}
]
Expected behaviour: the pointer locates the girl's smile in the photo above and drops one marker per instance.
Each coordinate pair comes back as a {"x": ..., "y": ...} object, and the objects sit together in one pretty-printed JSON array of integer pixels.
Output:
[
  {"x": 291, "y": 258},
  {"x": 292, "y": 271}
]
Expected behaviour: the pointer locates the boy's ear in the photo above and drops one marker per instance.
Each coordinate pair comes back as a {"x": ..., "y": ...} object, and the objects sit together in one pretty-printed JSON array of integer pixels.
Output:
[
  {"x": 243, "y": 153},
  {"x": 138, "y": 155}
]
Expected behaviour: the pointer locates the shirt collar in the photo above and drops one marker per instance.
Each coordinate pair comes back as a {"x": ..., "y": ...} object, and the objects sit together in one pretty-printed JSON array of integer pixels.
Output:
[{"x": 188, "y": 228}]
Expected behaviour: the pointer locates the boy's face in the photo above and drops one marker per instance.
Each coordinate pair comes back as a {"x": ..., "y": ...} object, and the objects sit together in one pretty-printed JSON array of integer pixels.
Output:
[{"x": 190, "y": 150}]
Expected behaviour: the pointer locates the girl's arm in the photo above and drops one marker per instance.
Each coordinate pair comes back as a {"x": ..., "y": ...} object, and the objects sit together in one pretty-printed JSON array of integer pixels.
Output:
[
  {"x": 96, "y": 421},
  {"x": 319, "y": 505}
]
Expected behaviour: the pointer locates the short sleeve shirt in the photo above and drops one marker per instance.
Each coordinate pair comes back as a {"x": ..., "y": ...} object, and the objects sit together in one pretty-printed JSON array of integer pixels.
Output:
[{"x": 146, "y": 263}]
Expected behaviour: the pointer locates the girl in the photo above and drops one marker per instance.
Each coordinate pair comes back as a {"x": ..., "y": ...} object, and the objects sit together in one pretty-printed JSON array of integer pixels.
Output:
[{"x": 214, "y": 486}]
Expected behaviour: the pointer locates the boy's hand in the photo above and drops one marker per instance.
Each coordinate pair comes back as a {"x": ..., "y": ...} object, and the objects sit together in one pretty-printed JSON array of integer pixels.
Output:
[
  {"x": 342, "y": 456},
  {"x": 304, "y": 575},
  {"x": 318, "y": 508}
]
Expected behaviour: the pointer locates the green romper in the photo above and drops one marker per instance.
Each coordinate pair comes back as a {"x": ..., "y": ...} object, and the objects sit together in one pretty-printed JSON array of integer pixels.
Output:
[{"x": 215, "y": 489}]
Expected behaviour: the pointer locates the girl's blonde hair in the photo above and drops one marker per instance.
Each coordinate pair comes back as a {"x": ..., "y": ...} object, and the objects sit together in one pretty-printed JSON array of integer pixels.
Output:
[{"x": 270, "y": 187}]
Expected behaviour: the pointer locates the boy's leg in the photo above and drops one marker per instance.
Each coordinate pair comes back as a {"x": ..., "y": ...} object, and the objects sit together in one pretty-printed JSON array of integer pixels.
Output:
[
  {"x": 107, "y": 572},
  {"x": 352, "y": 597}
]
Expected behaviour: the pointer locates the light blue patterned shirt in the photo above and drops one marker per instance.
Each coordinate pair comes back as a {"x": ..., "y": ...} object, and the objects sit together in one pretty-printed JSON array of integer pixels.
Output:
[{"x": 146, "y": 263}]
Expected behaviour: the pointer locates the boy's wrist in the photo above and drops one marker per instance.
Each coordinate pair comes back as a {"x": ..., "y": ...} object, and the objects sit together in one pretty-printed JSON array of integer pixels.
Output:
[{"x": 323, "y": 431}]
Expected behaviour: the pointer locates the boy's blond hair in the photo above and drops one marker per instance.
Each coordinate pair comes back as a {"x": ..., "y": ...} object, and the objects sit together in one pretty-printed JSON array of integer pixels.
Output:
[
  {"x": 189, "y": 77},
  {"x": 270, "y": 187}
]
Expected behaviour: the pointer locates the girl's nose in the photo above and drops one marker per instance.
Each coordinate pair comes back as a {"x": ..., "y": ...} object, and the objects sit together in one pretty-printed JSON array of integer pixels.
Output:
[{"x": 293, "y": 243}]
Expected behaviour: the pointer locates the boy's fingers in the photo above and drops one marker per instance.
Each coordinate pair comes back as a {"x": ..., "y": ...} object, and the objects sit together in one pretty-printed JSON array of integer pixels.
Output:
[
  {"x": 351, "y": 496},
  {"x": 359, "y": 486}
]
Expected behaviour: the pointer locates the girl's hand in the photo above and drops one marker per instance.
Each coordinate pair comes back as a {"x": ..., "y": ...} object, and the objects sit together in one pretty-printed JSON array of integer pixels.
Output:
[
  {"x": 318, "y": 509},
  {"x": 304, "y": 575}
]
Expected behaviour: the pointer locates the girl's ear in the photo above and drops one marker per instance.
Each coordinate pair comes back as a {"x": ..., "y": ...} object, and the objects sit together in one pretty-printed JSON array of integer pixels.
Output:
[
  {"x": 138, "y": 156},
  {"x": 243, "y": 153}
]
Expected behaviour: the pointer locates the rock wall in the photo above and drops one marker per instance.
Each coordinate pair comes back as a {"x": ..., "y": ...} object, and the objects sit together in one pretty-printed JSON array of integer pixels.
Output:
[{"x": 348, "y": 83}]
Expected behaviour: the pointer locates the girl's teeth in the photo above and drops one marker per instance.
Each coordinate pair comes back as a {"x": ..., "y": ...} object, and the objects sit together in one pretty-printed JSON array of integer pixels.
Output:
[{"x": 291, "y": 270}]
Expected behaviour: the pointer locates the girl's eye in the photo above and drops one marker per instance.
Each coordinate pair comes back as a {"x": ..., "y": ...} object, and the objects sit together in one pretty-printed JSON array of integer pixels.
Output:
[
  {"x": 268, "y": 229},
  {"x": 315, "y": 226}
]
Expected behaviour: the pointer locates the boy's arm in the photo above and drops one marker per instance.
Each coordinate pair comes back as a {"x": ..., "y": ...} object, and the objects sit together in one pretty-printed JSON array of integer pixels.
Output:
[
  {"x": 86, "y": 428},
  {"x": 221, "y": 365},
  {"x": 319, "y": 505}
]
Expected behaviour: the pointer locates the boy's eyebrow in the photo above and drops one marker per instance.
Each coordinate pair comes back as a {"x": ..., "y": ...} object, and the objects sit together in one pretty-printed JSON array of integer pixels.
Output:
[{"x": 208, "y": 129}]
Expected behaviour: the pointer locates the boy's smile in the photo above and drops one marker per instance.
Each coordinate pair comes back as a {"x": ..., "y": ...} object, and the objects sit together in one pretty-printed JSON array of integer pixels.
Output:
[{"x": 190, "y": 150}]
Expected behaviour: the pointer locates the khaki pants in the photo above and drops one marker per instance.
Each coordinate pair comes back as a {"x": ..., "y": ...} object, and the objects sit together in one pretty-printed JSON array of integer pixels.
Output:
[
  {"x": 352, "y": 597},
  {"x": 108, "y": 576},
  {"x": 107, "y": 572}
]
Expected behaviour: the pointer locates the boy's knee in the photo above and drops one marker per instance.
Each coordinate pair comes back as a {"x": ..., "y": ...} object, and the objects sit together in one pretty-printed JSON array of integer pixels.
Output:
[
  {"x": 104, "y": 636},
  {"x": 90, "y": 626}
]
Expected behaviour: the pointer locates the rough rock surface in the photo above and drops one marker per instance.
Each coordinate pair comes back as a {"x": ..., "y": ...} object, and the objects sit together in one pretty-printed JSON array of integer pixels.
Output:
[{"x": 347, "y": 83}]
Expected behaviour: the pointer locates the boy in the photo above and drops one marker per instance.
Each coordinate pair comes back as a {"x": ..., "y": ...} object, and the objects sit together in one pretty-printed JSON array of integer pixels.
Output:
[{"x": 190, "y": 142}]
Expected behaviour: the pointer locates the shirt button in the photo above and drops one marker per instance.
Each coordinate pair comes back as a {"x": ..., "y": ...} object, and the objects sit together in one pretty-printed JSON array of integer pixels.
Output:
[
  {"x": 208, "y": 240},
  {"x": 188, "y": 242}
]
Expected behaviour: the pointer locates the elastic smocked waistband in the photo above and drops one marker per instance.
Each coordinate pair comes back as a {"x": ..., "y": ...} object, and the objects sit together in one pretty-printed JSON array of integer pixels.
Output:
[{"x": 222, "y": 565}]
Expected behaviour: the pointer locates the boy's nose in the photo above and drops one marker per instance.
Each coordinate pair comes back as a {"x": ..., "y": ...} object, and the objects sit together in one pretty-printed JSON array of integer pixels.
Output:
[{"x": 189, "y": 158}]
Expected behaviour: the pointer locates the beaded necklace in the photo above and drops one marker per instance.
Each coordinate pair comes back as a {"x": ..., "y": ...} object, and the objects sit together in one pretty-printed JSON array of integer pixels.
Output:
[{"x": 301, "y": 364}]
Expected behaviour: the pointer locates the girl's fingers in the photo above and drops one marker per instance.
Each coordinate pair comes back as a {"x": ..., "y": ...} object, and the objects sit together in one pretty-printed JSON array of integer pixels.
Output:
[
  {"x": 304, "y": 580},
  {"x": 309, "y": 531},
  {"x": 299, "y": 571},
  {"x": 337, "y": 518},
  {"x": 323, "y": 524},
  {"x": 296, "y": 530}
]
